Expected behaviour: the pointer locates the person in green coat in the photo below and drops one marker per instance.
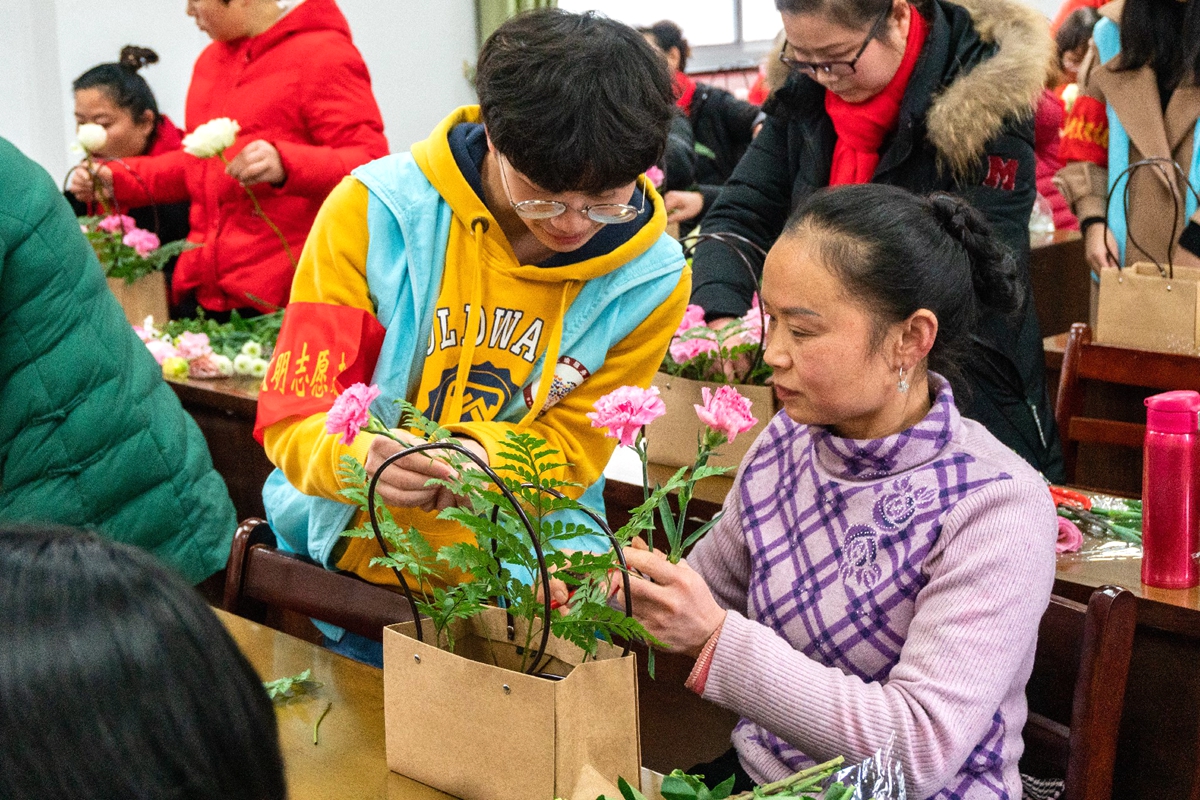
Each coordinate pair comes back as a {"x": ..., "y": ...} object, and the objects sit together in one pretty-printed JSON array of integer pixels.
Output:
[{"x": 90, "y": 433}]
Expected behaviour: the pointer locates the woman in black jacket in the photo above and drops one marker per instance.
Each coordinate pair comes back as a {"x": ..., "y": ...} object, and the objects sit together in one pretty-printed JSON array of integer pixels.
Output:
[{"x": 939, "y": 98}]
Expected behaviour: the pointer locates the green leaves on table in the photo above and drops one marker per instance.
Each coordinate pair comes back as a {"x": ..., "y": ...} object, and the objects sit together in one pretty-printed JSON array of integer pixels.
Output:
[{"x": 285, "y": 690}]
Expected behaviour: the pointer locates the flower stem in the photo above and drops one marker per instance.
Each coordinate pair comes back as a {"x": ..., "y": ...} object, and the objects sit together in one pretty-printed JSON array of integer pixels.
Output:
[
  {"x": 317, "y": 724},
  {"x": 263, "y": 215},
  {"x": 644, "y": 456}
]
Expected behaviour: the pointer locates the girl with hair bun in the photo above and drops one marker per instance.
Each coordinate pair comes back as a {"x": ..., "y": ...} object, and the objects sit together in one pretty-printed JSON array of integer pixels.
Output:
[
  {"x": 883, "y": 562},
  {"x": 117, "y": 98}
]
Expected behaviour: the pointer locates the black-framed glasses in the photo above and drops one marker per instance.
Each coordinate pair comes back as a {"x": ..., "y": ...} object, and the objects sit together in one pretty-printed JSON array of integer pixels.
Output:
[
  {"x": 834, "y": 69},
  {"x": 604, "y": 213}
]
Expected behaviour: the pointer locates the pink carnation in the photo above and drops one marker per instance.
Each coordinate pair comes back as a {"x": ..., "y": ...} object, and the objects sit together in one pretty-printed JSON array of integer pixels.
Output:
[
  {"x": 684, "y": 350},
  {"x": 655, "y": 176},
  {"x": 143, "y": 241},
  {"x": 117, "y": 222},
  {"x": 693, "y": 317},
  {"x": 625, "y": 411},
  {"x": 204, "y": 366},
  {"x": 193, "y": 345},
  {"x": 161, "y": 350},
  {"x": 1069, "y": 537},
  {"x": 725, "y": 411},
  {"x": 351, "y": 411},
  {"x": 752, "y": 323}
]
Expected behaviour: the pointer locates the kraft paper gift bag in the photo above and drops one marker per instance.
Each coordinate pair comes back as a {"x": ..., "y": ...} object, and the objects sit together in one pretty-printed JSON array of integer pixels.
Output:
[
  {"x": 1141, "y": 308},
  {"x": 472, "y": 725},
  {"x": 671, "y": 439},
  {"x": 145, "y": 297}
]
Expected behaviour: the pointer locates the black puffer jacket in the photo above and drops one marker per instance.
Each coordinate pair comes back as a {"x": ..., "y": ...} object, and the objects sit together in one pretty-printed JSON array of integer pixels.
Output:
[{"x": 965, "y": 126}]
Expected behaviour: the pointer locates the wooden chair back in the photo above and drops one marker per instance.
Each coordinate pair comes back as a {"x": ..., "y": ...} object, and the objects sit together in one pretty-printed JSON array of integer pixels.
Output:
[
  {"x": 259, "y": 576},
  {"x": 1077, "y": 691},
  {"x": 1084, "y": 362}
]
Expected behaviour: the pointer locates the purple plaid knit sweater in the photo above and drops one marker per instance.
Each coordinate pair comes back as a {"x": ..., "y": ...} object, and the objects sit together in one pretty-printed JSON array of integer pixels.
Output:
[{"x": 877, "y": 587}]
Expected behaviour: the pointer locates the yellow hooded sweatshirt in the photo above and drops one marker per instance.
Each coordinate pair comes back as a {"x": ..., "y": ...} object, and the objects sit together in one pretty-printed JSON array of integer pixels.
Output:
[{"x": 517, "y": 312}]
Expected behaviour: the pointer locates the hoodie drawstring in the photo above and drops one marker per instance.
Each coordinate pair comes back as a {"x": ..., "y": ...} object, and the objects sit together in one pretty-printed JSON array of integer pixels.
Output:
[
  {"x": 550, "y": 364},
  {"x": 479, "y": 226}
]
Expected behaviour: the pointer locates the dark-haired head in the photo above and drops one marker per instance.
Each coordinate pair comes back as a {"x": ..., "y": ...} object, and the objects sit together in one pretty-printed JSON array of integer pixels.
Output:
[
  {"x": 118, "y": 681},
  {"x": 877, "y": 270},
  {"x": 118, "y": 99},
  {"x": 668, "y": 36},
  {"x": 575, "y": 102},
  {"x": 1164, "y": 35}
]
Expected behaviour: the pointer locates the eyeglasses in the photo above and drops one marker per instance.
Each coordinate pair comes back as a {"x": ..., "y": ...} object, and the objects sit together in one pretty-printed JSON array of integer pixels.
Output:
[
  {"x": 604, "y": 213},
  {"x": 834, "y": 69}
]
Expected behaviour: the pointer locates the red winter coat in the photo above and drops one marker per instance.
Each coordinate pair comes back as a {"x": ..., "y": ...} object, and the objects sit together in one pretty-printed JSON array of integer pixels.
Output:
[{"x": 303, "y": 87}]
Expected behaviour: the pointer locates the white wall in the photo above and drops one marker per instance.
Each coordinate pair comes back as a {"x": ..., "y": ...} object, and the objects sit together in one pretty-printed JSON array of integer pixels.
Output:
[{"x": 414, "y": 49}]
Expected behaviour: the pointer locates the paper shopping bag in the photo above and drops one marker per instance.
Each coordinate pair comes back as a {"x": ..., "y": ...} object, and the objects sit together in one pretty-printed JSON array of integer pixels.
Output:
[
  {"x": 1140, "y": 308},
  {"x": 470, "y": 724},
  {"x": 145, "y": 297},
  {"x": 671, "y": 439}
]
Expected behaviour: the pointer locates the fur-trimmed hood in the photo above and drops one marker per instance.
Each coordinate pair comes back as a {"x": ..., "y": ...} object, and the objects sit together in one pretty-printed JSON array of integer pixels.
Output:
[{"x": 975, "y": 108}]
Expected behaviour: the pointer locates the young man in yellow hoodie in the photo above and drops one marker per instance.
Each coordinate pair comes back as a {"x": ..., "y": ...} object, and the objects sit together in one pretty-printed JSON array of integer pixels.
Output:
[{"x": 520, "y": 233}]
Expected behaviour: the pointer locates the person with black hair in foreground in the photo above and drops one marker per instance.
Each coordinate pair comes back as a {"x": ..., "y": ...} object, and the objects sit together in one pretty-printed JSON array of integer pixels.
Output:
[
  {"x": 117, "y": 98},
  {"x": 882, "y": 563},
  {"x": 929, "y": 96},
  {"x": 117, "y": 680},
  {"x": 503, "y": 276}
]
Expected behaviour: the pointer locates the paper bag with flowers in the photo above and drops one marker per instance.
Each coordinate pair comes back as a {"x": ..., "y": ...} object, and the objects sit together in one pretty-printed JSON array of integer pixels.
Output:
[{"x": 700, "y": 360}]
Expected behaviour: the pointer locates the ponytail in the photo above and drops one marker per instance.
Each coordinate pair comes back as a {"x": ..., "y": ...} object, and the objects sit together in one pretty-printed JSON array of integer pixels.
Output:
[
  {"x": 896, "y": 253},
  {"x": 121, "y": 82}
]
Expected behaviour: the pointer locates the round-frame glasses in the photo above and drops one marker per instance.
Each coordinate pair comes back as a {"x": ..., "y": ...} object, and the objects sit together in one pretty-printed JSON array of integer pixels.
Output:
[{"x": 604, "y": 213}]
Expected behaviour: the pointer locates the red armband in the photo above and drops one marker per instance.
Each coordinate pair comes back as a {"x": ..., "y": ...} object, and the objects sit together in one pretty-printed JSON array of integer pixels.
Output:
[
  {"x": 322, "y": 349},
  {"x": 1085, "y": 133}
]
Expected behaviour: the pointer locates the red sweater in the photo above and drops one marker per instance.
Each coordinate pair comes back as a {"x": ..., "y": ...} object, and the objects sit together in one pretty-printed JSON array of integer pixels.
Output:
[{"x": 300, "y": 85}]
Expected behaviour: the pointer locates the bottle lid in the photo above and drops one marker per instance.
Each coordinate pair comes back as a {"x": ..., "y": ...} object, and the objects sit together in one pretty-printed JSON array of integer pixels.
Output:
[{"x": 1173, "y": 412}]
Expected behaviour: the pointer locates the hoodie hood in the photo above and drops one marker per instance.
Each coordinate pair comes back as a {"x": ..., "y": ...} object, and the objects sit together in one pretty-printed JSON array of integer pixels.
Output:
[
  {"x": 976, "y": 106},
  {"x": 435, "y": 157}
]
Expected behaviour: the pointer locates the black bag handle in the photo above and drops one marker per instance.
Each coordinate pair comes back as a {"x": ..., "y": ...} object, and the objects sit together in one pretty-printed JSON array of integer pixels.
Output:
[
  {"x": 1162, "y": 165},
  {"x": 543, "y": 571}
]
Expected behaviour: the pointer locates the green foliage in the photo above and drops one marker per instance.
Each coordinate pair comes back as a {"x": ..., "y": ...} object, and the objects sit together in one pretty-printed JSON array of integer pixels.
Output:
[
  {"x": 284, "y": 690},
  {"x": 456, "y": 581},
  {"x": 808, "y": 784},
  {"x": 228, "y": 338},
  {"x": 119, "y": 260}
]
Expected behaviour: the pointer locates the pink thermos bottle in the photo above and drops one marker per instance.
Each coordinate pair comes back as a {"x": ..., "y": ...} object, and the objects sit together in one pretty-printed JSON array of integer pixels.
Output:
[{"x": 1171, "y": 491}]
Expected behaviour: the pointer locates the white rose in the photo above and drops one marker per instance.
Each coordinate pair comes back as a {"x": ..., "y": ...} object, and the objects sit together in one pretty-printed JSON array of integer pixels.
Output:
[
  {"x": 91, "y": 137},
  {"x": 211, "y": 138},
  {"x": 1069, "y": 95}
]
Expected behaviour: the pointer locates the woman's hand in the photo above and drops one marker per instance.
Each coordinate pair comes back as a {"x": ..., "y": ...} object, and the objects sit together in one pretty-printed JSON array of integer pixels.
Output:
[
  {"x": 83, "y": 186},
  {"x": 258, "y": 162},
  {"x": 1100, "y": 247},
  {"x": 671, "y": 600},
  {"x": 682, "y": 206},
  {"x": 403, "y": 482}
]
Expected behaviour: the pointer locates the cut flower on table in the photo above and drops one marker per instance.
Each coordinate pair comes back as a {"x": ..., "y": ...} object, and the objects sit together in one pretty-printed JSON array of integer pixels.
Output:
[{"x": 208, "y": 349}]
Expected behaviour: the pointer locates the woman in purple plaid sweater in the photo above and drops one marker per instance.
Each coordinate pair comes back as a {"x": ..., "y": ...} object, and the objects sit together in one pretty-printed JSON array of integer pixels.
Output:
[{"x": 882, "y": 563}]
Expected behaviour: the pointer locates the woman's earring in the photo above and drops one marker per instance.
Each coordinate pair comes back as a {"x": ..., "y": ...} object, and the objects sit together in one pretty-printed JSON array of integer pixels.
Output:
[{"x": 902, "y": 384}]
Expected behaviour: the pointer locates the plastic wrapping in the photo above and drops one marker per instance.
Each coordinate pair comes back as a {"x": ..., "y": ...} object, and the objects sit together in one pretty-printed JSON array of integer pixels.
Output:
[{"x": 880, "y": 777}]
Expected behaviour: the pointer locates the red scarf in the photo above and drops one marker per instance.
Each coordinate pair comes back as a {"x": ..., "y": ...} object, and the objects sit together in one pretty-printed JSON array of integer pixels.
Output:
[
  {"x": 685, "y": 88},
  {"x": 861, "y": 127}
]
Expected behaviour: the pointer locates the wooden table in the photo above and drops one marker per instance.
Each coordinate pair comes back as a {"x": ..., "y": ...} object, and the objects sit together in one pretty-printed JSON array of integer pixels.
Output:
[
  {"x": 349, "y": 761},
  {"x": 224, "y": 408},
  {"x": 1061, "y": 280}
]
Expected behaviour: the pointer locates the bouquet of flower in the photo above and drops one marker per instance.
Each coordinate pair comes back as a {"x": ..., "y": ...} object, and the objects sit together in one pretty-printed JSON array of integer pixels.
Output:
[
  {"x": 125, "y": 250},
  {"x": 203, "y": 348},
  {"x": 702, "y": 353}
]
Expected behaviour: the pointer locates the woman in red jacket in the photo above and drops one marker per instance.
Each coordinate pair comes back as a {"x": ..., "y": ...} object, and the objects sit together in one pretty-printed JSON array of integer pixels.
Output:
[{"x": 290, "y": 75}]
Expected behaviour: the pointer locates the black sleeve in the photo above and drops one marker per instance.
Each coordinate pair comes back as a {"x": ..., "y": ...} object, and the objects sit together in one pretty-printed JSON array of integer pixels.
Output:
[
  {"x": 1004, "y": 187},
  {"x": 679, "y": 159},
  {"x": 754, "y": 203}
]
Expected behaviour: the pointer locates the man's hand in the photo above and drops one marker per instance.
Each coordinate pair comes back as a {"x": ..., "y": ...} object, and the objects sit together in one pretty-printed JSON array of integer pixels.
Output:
[
  {"x": 403, "y": 482},
  {"x": 258, "y": 162},
  {"x": 683, "y": 206}
]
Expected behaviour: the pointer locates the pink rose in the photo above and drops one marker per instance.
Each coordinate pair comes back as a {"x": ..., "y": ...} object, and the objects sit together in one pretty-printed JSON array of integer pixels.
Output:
[
  {"x": 725, "y": 411},
  {"x": 161, "y": 350},
  {"x": 655, "y": 176},
  {"x": 351, "y": 411},
  {"x": 684, "y": 350},
  {"x": 625, "y": 411},
  {"x": 1069, "y": 537},
  {"x": 117, "y": 222},
  {"x": 693, "y": 317},
  {"x": 143, "y": 241},
  {"x": 193, "y": 345}
]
